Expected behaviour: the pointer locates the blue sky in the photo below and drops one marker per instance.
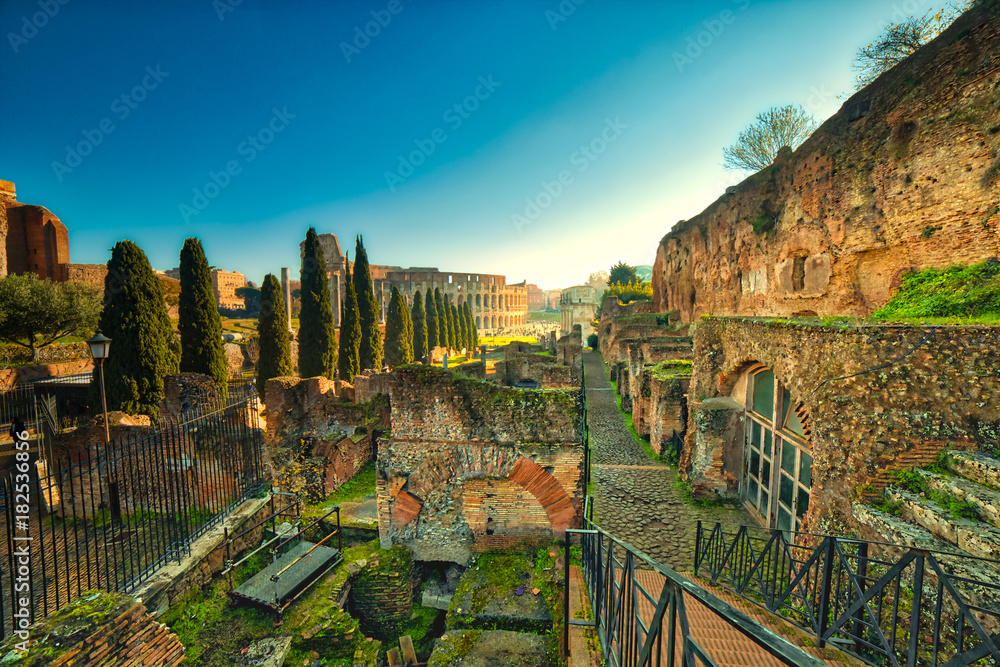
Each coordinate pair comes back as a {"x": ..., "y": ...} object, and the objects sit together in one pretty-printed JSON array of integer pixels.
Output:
[{"x": 543, "y": 140}]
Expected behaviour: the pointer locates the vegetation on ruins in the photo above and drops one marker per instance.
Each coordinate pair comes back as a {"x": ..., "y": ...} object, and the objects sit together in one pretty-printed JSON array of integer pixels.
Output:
[
  {"x": 398, "y": 331},
  {"x": 317, "y": 336},
  {"x": 144, "y": 348},
  {"x": 200, "y": 327},
  {"x": 349, "y": 363},
  {"x": 272, "y": 330},
  {"x": 35, "y": 313},
  {"x": 758, "y": 144},
  {"x": 623, "y": 274},
  {"x": 956, "y": 293},
  {"x": 370, "y": 349},
  {"x": 419, "y": 317},
  {"x": 627, "y": 293},
  {"x": 898, "y": 40}
]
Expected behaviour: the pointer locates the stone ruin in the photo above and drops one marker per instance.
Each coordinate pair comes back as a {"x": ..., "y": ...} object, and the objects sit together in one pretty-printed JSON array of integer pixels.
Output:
[{"x": 471, "y": 466}]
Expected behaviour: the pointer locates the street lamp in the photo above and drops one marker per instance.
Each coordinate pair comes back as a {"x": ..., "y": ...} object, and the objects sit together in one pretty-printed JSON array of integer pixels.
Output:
[{"x": 100, "y": 348}]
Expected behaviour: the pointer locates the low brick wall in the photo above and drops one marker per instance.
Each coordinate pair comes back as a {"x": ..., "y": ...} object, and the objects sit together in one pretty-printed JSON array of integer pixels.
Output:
[
  {"x": 97, "y": 628},
  {"x": 382, "y": 594}
]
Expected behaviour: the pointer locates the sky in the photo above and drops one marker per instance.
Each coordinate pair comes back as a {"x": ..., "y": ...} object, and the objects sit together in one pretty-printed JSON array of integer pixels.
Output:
[{"x": 539, "y": 139}]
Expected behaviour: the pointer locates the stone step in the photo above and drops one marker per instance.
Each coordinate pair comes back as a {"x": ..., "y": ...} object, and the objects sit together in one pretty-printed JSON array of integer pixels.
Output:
[
  {"x": 897, "y": 531},
  {"x": 980, "y": 468},
  {"x": 986, "y": 500},
  {"x": 974, "y": 537}
]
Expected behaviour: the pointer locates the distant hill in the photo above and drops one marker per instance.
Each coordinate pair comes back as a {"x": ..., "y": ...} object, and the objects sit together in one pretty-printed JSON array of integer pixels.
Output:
[{"x": 644, "y": 271}]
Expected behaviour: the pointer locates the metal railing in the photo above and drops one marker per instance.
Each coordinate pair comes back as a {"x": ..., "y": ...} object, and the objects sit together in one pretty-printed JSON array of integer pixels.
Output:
[
  {"x": 640, "y": 612},
  {"x": 886, "y": 604},
  {"x": 110, "y": 517}
]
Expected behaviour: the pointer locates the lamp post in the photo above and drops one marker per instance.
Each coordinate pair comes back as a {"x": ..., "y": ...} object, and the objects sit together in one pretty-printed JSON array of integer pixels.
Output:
[{"x": 100, "y": 347}]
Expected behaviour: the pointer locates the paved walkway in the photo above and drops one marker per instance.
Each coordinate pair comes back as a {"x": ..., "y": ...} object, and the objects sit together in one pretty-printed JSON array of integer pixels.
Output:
[{"x": 636, "y": 497}]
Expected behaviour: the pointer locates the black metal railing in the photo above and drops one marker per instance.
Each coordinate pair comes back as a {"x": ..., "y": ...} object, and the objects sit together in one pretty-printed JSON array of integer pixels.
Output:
[
  {"x": 640, "y": 609},
  {"x": 886, "y": 604},
  {"x": 108, "y": 517}
]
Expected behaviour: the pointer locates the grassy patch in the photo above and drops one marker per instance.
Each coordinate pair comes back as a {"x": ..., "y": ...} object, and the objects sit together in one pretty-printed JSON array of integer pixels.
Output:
[
  {"x": 669, "y": 370},
  {"x": 914, "y": 482},
  {"x": 353, "y": 490},
  {"x": 959, "y": 292},
  {"x": 500, "y": 341},
  {"x": 543, "y": 316}
]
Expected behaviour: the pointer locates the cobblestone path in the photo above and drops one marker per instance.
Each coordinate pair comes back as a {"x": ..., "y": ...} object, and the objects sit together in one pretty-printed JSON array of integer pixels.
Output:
[{"x": 636, "y": 497}]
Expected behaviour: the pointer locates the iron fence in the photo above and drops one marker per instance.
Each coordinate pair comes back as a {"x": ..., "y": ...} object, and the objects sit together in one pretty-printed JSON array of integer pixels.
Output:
[
  {"x": 109, "y": 517},
  {"x": 886, "y": 604},
  {"x": 640, "y": 609}
]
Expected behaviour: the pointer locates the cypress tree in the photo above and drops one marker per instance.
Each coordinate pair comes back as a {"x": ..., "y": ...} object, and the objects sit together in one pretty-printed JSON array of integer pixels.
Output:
[
  {"x": 398, "y": 332},
  {"x": 433, "y": 321},
  {"x": 370, "y": 350},
  {"x": 350, "y": 329},
  {"x": 473, "y": 330},
  {"x": 419, "y": 316},
  {"x": 460, "y": 331},
  {"x": 144, "y": 348},
  {"x": 272, "y": 331},
  {"x": 202, "y": 349},
  {"x": 317, "y": 335},
  {"x": 442, "y": 319},
  {"x": 449, "y": 309}
]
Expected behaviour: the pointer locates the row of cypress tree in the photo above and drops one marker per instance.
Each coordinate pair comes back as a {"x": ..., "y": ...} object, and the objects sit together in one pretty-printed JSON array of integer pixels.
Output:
[
  {"x": 432, "y": 321},
  {"x": 144, "y": 349}
]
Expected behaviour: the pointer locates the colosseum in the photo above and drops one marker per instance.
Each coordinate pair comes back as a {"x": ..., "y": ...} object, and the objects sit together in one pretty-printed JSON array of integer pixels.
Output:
[{"x": 495, "y": 304}]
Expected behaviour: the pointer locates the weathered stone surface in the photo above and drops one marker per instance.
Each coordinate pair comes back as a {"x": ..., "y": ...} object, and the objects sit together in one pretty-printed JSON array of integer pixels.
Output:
[
  {"x": 187, "y": 391},
  {"x": 977, "y": 466},
  {"x": 986, "y": 499},
  {"x": 479, "y": 603},
  {"x": 911, "y": 183},
  {"x": 269, "y": 652},
  {"x": 496, "y": 648},
  {"x": 234, "y": 358}
]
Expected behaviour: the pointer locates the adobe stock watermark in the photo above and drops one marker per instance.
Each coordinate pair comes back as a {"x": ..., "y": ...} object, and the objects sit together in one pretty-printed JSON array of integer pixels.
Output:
[
  {"x": 712, "y": 29},
  {"x": 364, "y": 34},
  {"x": 581, "y": 159},
  {"x": 454, "y": 116},
  {"x": 122, "y": 107},
  {"x": 562, "y": 12},
  {"x": 30, "y": 25},
  {"x": 223, "y": 7},
  {"x": 21, "y": 539},
  {"x": 248, "y": 150}
]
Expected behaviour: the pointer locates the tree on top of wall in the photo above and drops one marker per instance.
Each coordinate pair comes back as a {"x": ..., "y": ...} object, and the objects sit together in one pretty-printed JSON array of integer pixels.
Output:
[
  {"x": 317, "y": 335},
  {"x": 433, "y": 321}
]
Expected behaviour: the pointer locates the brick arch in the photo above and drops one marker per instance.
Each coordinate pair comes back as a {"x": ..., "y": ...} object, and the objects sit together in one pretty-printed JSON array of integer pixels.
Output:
[{"x": 438, "y": 470}]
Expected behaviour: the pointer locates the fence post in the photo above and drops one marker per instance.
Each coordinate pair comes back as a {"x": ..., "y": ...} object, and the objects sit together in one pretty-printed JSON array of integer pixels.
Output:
[
  {"x": 566, "y": 598},
  {"x": 697, "y": 548},
  {"x": 862, "y": 575},
  {"x": 918, "y": 589},
  {"x": 824, "y": 602}
]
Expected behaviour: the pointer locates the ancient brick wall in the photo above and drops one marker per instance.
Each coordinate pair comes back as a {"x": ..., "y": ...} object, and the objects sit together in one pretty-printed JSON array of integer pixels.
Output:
[
  {"x": 526, "y": 362},
  {"x": 316, "y": 440},
  {"x": 905, "y": 176},
  {"x": 88, "y": 274},
  {"x": 473, "y": 466},
  {"x": 37, "y": 242},
  {"x": 107, "y": 629},
  {"x": 945, "y": 394},
  {"x": 382, "y": 594}
]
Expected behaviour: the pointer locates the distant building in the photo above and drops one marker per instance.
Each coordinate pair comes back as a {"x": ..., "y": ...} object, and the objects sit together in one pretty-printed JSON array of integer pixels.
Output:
[
  {"x": 552, "y": 299},
  {"x": 32, "y": 239},
  {"x": 495, "y": 303},
  {"x": 577, "y": 305},
  {"x": 536, "y": 298},
  {"x": 224, "y": 284}
]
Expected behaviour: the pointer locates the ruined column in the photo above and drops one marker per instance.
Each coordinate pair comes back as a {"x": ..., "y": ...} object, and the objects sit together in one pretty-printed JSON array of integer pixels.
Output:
[
  {"x": 335, "y": 298},
  {"x": 286, "y": 291}
]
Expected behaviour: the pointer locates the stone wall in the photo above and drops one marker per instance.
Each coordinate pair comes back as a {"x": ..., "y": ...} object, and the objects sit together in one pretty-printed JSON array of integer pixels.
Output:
[
  {"x": 382, "y": 594},
  {"x": 905, "y": 176},
  {"x": 524, "y": 362},
  {"x": 98, "y": 628},
  {"x": 315, "y": 440},
  {"x": 472, "y": 466},
  {"x": 88, "y": 274},
  {"x": 21, "y": 374},
  {"x": 946, "y": 394}
]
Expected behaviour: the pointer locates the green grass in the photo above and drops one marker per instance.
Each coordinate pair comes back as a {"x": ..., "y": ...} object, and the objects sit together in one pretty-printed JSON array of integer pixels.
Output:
[
  {"x": 958, "y": 294},
  {"x": 353, "y": 490},
  {"x": 500, "y": 341},
  {"x": 542, "y": 316}
]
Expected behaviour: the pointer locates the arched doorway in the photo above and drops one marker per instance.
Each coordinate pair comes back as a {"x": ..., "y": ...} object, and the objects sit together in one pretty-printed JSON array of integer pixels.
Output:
[{"x": 777, "y": 461}]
